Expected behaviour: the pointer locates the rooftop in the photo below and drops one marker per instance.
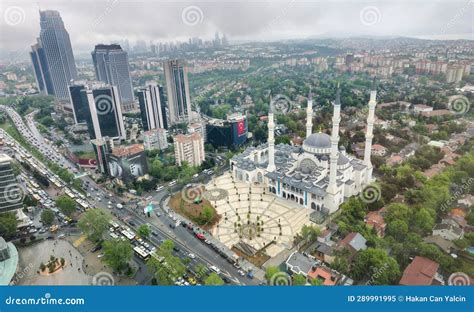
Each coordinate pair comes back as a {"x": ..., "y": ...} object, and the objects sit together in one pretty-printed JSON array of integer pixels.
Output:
[{"x": 421, "y": 271}]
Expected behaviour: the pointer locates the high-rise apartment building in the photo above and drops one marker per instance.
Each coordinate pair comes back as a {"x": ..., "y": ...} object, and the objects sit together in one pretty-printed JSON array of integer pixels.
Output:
[
  {"x": 112, "y": 67},
  {"x": 177, "y": 88},
  {"x": 11, "y": 195},
  {"x": 152, "y": 107},
  {"x": 52, "y": 57},
  {"x": 189, "y": 148}
]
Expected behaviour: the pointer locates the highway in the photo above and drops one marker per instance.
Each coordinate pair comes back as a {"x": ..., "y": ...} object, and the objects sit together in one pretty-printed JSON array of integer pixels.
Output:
[{"x": 183, "y": 238}]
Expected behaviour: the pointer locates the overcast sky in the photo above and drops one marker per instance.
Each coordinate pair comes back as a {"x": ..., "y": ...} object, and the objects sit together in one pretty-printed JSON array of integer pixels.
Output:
[{"x": 103, "y": 21}]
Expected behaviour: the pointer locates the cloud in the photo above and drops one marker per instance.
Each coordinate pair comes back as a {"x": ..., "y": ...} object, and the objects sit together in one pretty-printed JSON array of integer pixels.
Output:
[{"x": 92, "y": 21}]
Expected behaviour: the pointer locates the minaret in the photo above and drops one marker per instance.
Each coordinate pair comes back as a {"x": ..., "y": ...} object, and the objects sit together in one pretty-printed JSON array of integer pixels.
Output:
[
  {"x": 369, "y": 134},
  {"x": 331, "y": 201},
  {"x": 271, "y": 139},
  {"x": 309, "y": 115}
]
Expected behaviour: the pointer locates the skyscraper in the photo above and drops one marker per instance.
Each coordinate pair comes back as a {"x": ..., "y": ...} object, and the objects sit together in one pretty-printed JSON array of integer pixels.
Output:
[
  {"x": 152, "y": 107},
  {"x": 111, "y": 66},
  {"x": 11, "y": 195},
  {"x": 52, "y": 57},
  {"x": 98, "y": 105},
  {"x": 177, "y": 88}
]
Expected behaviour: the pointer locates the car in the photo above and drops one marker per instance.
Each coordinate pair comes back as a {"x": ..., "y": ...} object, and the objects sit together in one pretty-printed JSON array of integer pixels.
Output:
[
  {"x": 192, "y": 256},
  {"x": 154, "y": 233},
  {"x": 241, "y": 273},
  {"x": 196, "y": 175},
  {"x": 62, "y": 236},
  {"x": 200, "y": 236},
  {"x": 96, "y": 248},
  {"x": 100, "y": 255},
  {"x": 172, "y": 225},
  {"x": 158, "y": 214},
  {"x": 175, "y": 248},
  {"x": 215, "y": 269}
]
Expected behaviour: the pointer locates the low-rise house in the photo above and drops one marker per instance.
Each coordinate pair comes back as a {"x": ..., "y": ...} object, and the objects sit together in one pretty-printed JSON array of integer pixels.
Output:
[
  {"x": 422, "y": 271},
  {"x": 394, "y": 160},
  {"x": 379, "y": 150},
  {"x": 375, "y": 220},
  {"x": 437, "y": 113},
  {"x": 448, "y": 231},
  {"x": 353, "y": 242},
  {"x": 421, "y": 108},
  {"x": 298, "y": 263},
  {"x": 443, "y": 244}
]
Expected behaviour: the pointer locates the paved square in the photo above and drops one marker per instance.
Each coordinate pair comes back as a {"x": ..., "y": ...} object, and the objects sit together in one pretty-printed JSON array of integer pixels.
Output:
[{"x": 253, "y": 216}]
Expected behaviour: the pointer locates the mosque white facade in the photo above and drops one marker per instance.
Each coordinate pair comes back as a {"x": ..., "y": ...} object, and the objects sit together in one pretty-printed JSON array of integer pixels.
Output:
[{"x": 319, "y": 175}]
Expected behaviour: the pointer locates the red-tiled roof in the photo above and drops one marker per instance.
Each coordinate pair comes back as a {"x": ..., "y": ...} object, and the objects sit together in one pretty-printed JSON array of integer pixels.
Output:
[{"x": 420, "y": 271}]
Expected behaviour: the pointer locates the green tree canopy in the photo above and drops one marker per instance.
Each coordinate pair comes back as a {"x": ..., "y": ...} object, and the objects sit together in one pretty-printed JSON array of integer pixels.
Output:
[
  {"x": 117, "y": 254},
  {"x": 66, "y": 204},
  {"x": 47, "y": 216},
  {"x": 213, "y": 280},
  {"x": 94, "y": 223}
]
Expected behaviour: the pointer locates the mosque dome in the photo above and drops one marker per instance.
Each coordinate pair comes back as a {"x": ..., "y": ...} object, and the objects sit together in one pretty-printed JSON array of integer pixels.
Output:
[{"x": 317, "y": 143}]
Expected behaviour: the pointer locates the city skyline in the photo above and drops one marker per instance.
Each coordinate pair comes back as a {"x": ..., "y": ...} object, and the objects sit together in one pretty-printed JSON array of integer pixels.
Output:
[{"x": 102, "y": 21}]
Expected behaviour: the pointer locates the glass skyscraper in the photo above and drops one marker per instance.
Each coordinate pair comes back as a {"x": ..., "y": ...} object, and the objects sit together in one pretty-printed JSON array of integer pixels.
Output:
[
  {"x": 52, "y": 57},
  {"x": 152, "y": 107},
  {"x": 177, "y": 88},
  {"x": 111, "y": 66}
]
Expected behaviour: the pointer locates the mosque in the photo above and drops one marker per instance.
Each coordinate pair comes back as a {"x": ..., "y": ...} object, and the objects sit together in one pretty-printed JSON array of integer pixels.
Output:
[{"x": 320, "y": 174}]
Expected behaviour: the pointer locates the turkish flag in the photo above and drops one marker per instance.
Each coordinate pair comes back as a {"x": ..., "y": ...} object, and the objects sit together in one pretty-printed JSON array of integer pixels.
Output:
[{"x": 241, "y": 127}]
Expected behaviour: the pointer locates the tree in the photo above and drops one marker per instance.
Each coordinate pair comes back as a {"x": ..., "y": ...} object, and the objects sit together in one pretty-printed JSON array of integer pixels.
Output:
[
  {"x": 398, "y": 229},
  {"x": 270, "y": 271},
  {"x": 47, "y": 216},
  {"x": 299, "y": 280},
  {"x": 117, "y": 254},
  {"x": 144, "y": 231},
  {"x": 310, "y": 233},
  {"x": 316, "y": 282},
  {"x": 200, "y": 270},
  {"x": 213, "y": 280},
  {"x": 375, "y": 265},
  {"x": 166, "y": 267},
  {"x": 94, "y": 223},
  {"x": 207, "y": 214},
  {"x": 66, "y": 204},
  {"x": 8, "y": 224}
]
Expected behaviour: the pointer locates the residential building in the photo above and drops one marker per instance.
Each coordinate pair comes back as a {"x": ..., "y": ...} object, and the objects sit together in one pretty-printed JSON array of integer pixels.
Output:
[
  {"x": 231, "y": 132},
  {"x": 11, "y": 194},
  {"x": 177, "y": 89},
  {"x": 52, "y": 57},
  {"x": 189, "y": 148},
  {"x": 112, "y": 67},
  {"x": 353, "y": 242},
  {"x": 421, "y": 271},
  {"x": 155, "y": 139},
  {"x": 375, "y": 220},
  {"x": 152, "y": 107},
  {"x": 449, "y": 231},
  {"x": 421, "y": 108}
]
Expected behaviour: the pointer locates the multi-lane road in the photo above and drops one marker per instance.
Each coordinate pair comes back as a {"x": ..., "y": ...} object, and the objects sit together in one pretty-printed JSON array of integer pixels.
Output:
[{"x": 132, "y": 214}]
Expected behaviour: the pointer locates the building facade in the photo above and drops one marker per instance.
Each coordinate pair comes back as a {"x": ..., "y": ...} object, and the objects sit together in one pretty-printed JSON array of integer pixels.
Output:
[
  {"x": 177, "y": 88},
  {"x": 52, "y": 57},
  {"x": 152, "y": 107},
  {"x": 155, "y": 139},
  {"x": 189, "y": 148},
  {"x": 112, "y": 67},
  {"x": 11, "y": 194},
  {"x": 229, "y": 133},
  {"x": 318, "y": 175},
  {"x": 127, "y": 162}
]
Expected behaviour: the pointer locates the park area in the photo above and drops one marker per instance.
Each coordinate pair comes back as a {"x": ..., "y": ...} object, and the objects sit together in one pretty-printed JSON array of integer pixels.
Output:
[{"x": 191, "y": 204}]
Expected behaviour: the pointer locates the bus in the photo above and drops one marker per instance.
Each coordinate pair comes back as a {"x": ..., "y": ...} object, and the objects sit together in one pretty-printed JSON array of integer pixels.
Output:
[{"x": 141, "y": 253}]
